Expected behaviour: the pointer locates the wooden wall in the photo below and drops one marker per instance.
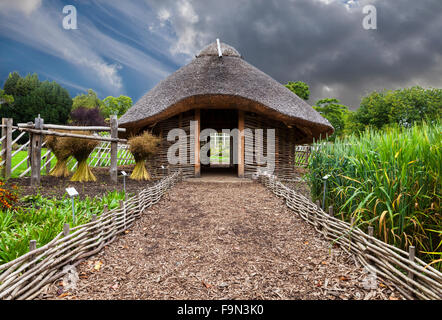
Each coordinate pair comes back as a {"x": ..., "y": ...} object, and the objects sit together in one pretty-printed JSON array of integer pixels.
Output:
[
  {"x": 161, "y": 129},
  {"x": 286, "y": 139},
  {"x": 285, "y": 142}
]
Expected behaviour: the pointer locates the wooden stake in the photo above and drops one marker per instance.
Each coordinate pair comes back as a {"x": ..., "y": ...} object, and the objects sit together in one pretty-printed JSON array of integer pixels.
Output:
[
  {"x": 114, "y": 149},
  {"x": 412, "y": 254},
  {"x": 66, "y": 229},
  {"x": 36, "y": 154},
  {"x": 331, "y": 211},
  {"x": 241, "y": 142},
  {"x": 7, "y": 146},
  {"x": 197, "y": 142}
]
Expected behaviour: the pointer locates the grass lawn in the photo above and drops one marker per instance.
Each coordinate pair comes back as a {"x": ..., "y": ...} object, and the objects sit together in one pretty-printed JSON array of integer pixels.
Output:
[{"x": 20, "y": 156}]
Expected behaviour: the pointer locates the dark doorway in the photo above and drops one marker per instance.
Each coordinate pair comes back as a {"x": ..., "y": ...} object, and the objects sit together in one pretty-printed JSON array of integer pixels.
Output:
[{"x": 221, "y": 145}]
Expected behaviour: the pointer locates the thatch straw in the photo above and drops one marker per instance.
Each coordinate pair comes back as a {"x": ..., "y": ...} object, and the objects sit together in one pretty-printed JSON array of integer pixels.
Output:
[
  {"x": 80, "y": 149},
  {"x": 228, "y": 82},
  {"x": 62, "y": 155},
  {"x": 142, "y": 147}
]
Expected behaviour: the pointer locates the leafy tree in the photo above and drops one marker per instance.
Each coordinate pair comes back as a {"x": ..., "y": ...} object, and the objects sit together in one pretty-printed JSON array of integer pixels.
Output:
[
  {"x": 336, "y": 113},
  {"x": 402, "y": 107},
  {"x": 118, "y": 106},
  {"x": 89, "y": 100},
  {"x": 32, "y": 97},
  {"x": 300, "y": 88},
  {"x": 87, "y": 117},
  {"x": 5, "y": 98}
]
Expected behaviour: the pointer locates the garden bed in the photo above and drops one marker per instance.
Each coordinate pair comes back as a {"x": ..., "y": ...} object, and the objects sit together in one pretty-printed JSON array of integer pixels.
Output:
[{"x": 56, "y": 187}]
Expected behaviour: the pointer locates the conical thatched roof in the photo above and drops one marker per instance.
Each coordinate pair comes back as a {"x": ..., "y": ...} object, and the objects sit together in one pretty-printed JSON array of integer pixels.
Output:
[{"x": 227, "y": 82}]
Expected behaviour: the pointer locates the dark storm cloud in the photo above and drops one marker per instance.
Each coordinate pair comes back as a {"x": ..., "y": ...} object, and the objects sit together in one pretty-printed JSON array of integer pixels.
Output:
[{"x": 322, "y": 44}]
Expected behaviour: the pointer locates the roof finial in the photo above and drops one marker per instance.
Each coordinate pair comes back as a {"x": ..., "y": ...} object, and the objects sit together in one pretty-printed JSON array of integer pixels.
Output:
[{"x": 220, "y": 53}]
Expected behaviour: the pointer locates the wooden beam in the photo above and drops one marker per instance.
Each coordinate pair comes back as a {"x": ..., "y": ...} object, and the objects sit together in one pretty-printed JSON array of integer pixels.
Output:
[
  {"x": 241, "y": 142},
  {"x": 70, "y": 128},
  {"x": 72, "y": 135},
  {"x": 196, "y": 134}
]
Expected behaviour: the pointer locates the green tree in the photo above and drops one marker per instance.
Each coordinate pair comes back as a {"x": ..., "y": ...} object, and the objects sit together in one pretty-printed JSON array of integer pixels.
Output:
[
  {"x": 335, "y": 112},
  {"x": 89, "y": 100},
  {"x": 32, "y": 97},
  {"x": 403, "y": 107},
  {"x": 5, "y": 98},
  {"x": 118, "y": 106},
  {"x": 300, "y": 88}
]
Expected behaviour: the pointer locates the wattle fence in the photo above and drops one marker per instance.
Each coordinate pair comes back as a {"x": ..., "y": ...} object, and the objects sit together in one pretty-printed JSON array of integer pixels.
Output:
[
  {"x": 410, "y": 275},
  {"x": 24, "y": 277}
]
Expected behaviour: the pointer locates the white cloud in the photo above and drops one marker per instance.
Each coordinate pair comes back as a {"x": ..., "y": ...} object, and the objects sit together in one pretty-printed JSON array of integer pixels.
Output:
[
  {"x": 97, "y": 55},
  {"x": 24, "y": 6}
]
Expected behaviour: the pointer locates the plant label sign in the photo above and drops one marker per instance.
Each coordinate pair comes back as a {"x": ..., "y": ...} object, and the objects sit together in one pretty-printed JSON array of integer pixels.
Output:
[
  {"x": 124, "y": 173},
  {"x": 72, "y": 192}
]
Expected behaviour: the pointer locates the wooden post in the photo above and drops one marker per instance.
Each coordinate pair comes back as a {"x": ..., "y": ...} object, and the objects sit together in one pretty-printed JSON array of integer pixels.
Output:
[
  {"x": 94, "y": 218},
  {"x": 241, "y": 142},
  {"x": 196, "y": 134},
  {"x": 66, "y": 229},
  {"x": 114, "y": 149},
  {"x": 32, "y": 245},
  {"x": 412, "y": 254},
  {"x": 36, "y": 142},
  {"x": 7, "y": 146},
  {"x": 331, "y": 211}
]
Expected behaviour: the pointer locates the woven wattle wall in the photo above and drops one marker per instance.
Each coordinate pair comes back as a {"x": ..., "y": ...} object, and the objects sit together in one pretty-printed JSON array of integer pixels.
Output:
[{"x": 285, "y": 142}]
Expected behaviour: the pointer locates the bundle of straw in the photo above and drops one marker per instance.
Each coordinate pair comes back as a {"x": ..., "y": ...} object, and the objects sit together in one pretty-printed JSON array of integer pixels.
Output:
[
  {"x": 62, "y": 155},
  {"x": 80, "y": 149},
  {"x": 142, "y": 147}
]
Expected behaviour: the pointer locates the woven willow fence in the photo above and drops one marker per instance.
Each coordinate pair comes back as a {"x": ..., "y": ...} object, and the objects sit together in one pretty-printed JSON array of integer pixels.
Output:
[
  {"x": 24, "y": 277},
  {"x": 411, "y": 276}
]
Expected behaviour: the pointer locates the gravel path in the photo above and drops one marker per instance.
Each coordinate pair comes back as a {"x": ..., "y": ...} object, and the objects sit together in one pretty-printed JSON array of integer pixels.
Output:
[{"x": 221, "y": 241}]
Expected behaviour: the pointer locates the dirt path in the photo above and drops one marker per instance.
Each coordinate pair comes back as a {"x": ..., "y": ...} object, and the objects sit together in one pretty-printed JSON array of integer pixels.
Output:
[{"x": 222, "y": 241}]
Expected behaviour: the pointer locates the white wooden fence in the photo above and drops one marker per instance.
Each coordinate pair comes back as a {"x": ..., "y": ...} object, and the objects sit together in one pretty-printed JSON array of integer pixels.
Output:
[{"x": 12, "y": 158}]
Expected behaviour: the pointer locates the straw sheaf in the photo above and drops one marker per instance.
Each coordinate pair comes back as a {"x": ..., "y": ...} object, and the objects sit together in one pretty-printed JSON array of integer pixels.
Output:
[{"x": 228, "y": 82}]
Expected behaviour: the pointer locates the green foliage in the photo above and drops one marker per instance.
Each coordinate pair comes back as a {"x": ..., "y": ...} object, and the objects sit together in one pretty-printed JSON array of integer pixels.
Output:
[
  {"x": 42, "y": 219},
  {"x": 300, "y": 88},
  {"x": 335, "y": 113},
  {"x": 32, "y": 97},
  {"x": 5, "y": 98},
  {"x": 403, "y": 107},
  {"x": 390, "y": 179},
  {"x": 118, "y": 106},
  {"x": 89, "y": 100}
]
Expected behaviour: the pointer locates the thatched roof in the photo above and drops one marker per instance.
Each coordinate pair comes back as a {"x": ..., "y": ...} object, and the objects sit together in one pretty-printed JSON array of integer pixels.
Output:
[{"x": 227, "y": 82}]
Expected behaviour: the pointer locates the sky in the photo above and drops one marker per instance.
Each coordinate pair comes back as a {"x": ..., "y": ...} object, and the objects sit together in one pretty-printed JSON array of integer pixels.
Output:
[{"x": 127, "y": 47}]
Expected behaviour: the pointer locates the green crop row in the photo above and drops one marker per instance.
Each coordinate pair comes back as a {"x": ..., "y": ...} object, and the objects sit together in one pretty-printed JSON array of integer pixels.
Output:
[
  {"x": 388, "y": 179},
  {"x": 41, "y": 219}
]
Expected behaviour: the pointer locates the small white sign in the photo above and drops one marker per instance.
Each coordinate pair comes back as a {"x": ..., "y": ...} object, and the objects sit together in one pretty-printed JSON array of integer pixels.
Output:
[
  {"x": 326, "y": 177},
  {"x": 124, "y": 173},
  {"x": 72, "y": 192}
]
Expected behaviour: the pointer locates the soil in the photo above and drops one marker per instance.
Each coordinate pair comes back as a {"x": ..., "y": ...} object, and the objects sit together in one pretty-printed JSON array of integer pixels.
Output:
[
  {"x": 221, "y": 241},
  {"x": 56, "y": 187}
]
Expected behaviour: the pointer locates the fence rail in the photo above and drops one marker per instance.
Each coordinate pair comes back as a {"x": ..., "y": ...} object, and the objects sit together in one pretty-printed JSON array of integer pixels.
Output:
[
  {"x": 411, "y": 276},
  {"x": 100, "y": 157},
  {"x": 24, "y": 277}
]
